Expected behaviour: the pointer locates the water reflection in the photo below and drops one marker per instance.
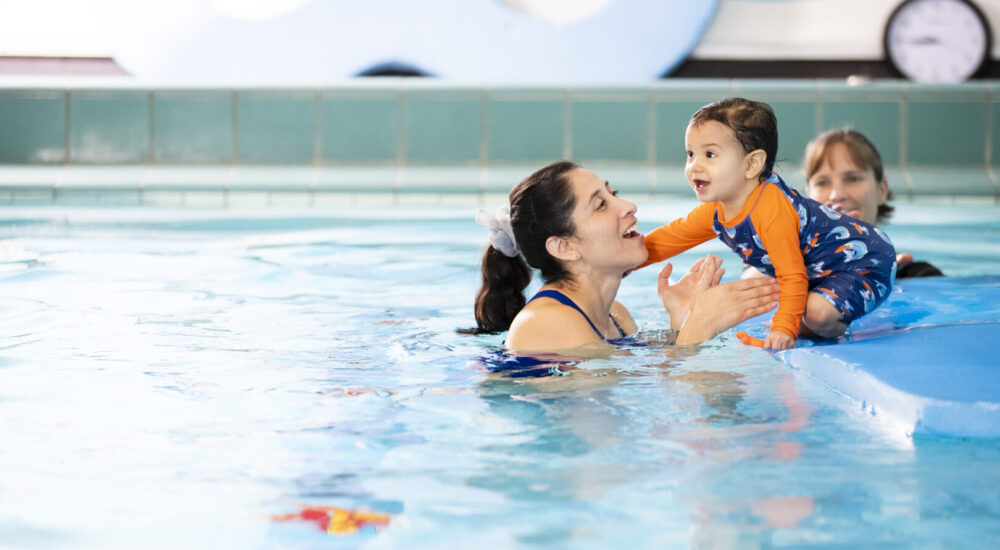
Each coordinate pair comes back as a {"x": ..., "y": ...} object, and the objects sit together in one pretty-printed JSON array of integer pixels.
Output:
[{"x": 628, "y": 423}]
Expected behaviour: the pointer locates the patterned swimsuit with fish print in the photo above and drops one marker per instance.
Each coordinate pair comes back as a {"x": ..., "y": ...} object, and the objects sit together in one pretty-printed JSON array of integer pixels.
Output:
[{"x": 807, "y": 246}]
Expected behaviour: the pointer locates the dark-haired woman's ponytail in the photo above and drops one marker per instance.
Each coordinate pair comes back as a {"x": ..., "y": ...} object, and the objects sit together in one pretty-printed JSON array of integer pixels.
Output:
[
  {"x": 539, "y": 207},
  {"x": 502, "y": 295}
]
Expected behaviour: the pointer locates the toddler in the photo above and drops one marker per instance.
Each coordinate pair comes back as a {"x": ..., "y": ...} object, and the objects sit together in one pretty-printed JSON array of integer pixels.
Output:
[{"x": 831, "y": 268}]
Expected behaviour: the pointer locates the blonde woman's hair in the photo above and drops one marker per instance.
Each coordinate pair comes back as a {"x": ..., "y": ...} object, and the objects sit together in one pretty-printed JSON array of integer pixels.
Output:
[{"x": 863, "y": 153}]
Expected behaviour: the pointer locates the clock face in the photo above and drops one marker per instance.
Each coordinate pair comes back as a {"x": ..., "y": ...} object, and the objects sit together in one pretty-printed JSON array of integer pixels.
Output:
[{"x": 937, "y": 40}]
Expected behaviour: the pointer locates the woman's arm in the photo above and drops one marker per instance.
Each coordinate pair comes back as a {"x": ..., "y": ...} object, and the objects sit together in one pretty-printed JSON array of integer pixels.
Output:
[
  {"x": 678, "y": 298},
  {"x": 698, "y": 305},
  {"x": 703, "y": 308},
  {"x": 679, "y": 235},
  {"x": 724, "y": 306},
  {"x": 777, "y": 225}
]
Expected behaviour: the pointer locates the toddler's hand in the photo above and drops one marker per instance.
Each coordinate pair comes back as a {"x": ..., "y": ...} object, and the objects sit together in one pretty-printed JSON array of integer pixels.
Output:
[
  {"x": 778, "y": 340},
  {"x": 775, "y": 340}
]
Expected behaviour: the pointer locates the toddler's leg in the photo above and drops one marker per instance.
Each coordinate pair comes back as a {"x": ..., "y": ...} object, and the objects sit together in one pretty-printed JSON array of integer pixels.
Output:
[{"x": 822, "y": 318}]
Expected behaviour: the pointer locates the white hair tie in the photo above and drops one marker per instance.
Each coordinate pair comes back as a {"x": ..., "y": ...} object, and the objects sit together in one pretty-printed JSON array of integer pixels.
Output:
[{"x": 501, "y": 232}]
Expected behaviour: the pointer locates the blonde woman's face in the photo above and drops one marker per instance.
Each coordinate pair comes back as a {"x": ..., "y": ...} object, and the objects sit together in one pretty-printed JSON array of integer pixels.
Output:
[{"x": 846, "y": 187}]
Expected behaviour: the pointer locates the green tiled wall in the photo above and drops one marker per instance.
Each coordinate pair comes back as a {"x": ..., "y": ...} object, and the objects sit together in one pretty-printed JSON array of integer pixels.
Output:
[
  {"x": 443, "y": 128},
  {"x": 796, "y": 126},
  {"x": 878, "y": 120},
  {"x": 671, "y": 122},
  {"x": 521, "y": 130},
  {"x": 995, "y": 131},
  {"x": 947, "y": 133},
  {"x": 387, "y": 130},
  {"x": 109, "y": 127},
  {"x": 359, "y": 130},
  {"x": 276, "y": 127},
  {"x": 610, "y": 130},
  {"x": 193, "y": 127},
  {"x": 32, "y": 126}
]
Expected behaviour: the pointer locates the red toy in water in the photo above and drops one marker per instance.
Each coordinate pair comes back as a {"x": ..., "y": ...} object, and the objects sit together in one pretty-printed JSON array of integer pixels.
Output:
[{"x": 337, "y": 521}]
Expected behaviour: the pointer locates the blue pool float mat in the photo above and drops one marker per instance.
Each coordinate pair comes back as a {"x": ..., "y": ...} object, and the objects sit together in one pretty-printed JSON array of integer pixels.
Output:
[{"x": 926, "y": 359}]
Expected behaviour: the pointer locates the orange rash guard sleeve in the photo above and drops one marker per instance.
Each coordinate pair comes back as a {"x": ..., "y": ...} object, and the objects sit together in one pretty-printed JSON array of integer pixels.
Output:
[
  {"x": 681, "y": 234},
  {"x": 777, "y": 225}
]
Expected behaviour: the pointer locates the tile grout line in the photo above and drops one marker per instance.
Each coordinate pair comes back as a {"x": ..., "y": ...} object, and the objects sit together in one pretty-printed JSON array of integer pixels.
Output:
[
  {"x": 568, "y": 123},
  {"x": 904, "y": 161},
  {"x": 234, "y": 145},
  {"x": 651, "y": 141},
  {"x": 484, "y": 141},
  {"x": 151, "y": 153},
  {"x": 318, "y": 129},
  {"x": 397, "y": 178},
  {"x": 69, "y": 145},
  {"x": 989, "y": 147}
]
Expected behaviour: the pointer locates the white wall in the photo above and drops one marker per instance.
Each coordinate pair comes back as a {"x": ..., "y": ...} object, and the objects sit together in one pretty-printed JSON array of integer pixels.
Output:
[
  {"x": 742, "y": 29},
  {"x": 809, "y": 29},
  {"x": 56, "y": 28}
]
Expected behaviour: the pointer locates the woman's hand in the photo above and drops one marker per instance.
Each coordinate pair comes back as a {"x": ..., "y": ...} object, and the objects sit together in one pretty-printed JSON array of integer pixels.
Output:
[
  {"x": 678, "y": 298},
  {"x": 721, "y": 307}
]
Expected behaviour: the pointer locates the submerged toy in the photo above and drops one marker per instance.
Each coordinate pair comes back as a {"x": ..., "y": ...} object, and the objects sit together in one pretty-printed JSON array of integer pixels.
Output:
[{"x": 337, "y": 521}]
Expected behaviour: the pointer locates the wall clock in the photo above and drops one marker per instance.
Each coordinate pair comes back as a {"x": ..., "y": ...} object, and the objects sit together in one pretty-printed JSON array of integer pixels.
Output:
[{"x": 937, "y": 40}]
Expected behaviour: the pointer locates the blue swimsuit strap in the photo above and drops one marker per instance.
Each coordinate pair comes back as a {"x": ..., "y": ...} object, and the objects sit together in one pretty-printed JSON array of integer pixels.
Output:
[{"x": 566, "y": 301}]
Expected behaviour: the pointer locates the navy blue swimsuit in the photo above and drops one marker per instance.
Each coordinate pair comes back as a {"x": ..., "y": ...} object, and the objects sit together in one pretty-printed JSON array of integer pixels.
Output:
[
  {"x": 515, "y": 365},
  {"x": 564, "y": 300}
]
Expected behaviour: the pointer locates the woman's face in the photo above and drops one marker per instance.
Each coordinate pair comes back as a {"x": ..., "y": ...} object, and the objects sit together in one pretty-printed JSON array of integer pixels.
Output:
[
  {"x": 606, "y": 234},
  {"x": 845, "y": 187}
]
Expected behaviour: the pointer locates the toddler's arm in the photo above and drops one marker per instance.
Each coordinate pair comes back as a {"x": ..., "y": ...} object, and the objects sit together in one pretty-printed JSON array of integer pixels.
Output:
[
  {"x": 679, "y": 235},
  {"x": 777, "y": 225}
]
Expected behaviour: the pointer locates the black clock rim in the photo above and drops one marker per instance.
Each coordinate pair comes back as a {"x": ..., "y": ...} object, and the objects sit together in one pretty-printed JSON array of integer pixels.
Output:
[{"x": 982, "y": 19}]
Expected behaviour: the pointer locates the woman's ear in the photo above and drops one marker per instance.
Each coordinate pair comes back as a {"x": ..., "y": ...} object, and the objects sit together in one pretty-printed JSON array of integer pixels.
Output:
[
  {"x": 883, "y": 191},
  {"x": 755, "y": 161},
  {"x": 561, "y": 249}
]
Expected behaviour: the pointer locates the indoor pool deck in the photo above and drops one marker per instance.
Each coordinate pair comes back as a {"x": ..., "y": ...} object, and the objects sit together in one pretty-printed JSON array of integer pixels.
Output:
[{"x": 117, "y": 141}]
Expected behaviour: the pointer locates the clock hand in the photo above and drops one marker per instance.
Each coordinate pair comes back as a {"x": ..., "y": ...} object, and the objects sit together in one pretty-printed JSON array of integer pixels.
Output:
[
  {"x": 924, "y": 41},
  {"x": 935, "y": 41}
]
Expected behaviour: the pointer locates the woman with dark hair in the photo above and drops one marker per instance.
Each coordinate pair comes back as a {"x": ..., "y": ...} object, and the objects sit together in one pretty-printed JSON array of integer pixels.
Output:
[{"x": 570, "y": 225}]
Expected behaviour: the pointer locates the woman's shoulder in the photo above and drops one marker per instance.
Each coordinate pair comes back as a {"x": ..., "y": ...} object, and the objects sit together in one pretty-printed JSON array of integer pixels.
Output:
[
  {"x": 545, "y": 324},
  {"x": 918, "y": 269}
]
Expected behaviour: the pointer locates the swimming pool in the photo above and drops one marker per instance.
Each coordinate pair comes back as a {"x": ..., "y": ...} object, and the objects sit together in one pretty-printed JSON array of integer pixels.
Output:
[{"x": 177, "y": 378}]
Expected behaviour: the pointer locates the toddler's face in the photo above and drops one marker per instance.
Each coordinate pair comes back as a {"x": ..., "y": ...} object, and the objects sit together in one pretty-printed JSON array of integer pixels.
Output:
[{"x": 716, "y": 163}]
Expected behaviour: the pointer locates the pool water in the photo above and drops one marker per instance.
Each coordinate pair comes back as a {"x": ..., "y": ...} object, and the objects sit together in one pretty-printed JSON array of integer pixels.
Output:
[{"x": 174, "y": 379}]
